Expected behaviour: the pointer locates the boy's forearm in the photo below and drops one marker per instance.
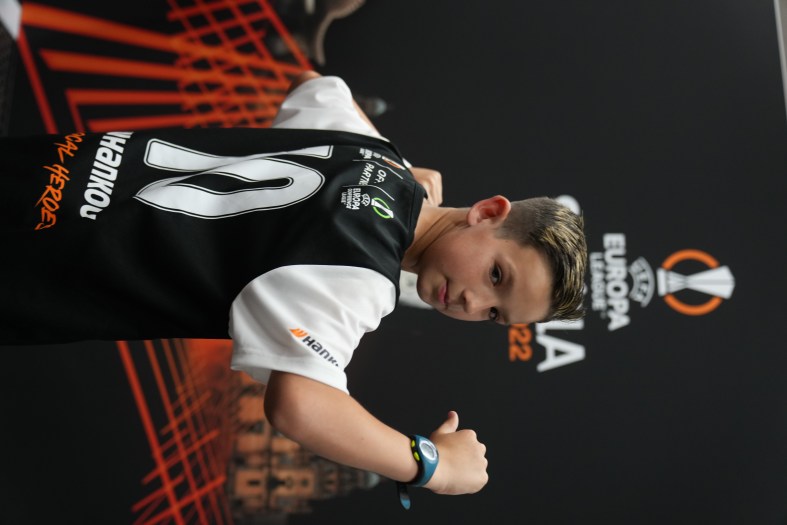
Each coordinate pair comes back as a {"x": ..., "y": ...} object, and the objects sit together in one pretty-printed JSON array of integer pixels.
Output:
[{"x": 333, "y": 425}]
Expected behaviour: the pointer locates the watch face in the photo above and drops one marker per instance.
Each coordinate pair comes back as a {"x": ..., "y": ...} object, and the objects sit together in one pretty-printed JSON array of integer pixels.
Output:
[{"x": 428, "y": 450}]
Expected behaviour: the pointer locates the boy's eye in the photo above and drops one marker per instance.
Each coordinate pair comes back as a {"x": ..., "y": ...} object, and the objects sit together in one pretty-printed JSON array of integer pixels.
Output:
[
  {"x": 495, "y": 274},
  {"x": 494, "y": 315}
]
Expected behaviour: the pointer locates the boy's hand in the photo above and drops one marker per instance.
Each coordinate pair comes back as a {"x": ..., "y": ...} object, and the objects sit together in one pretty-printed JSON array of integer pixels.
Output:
[
  {"x": 432, "y": 181},
  {"x": 462, "y": 465}
]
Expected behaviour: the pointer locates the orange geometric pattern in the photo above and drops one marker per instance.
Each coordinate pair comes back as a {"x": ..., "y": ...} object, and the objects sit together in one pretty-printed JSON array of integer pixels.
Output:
[
  {"x": 217, "y": 72},
  {"x": 186, "y": 483}
]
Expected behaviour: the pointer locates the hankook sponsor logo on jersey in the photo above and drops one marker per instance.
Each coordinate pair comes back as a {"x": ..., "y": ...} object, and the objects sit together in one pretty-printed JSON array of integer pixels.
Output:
[
  {"x": 104, "y": 174},
  {"x": 311, "y": 343}
]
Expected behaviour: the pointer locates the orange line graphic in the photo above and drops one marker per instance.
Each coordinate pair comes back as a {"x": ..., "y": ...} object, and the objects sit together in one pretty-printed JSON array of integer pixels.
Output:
[
  {"x": 193, "y": 417},
  {"x": 81, "y": 63},
  {"x": 35, "y": 81},
  {"x": 55, "y": 19},
  {"x": 52, "y": 18},
  {"x": 179, "y": 438},
  {"x": 191, "y": 476},
  {"x": 147, "y": 423}
]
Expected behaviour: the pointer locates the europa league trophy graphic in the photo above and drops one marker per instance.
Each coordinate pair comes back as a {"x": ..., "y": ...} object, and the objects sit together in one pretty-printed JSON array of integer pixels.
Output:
[{"x": 717, "y": 281}]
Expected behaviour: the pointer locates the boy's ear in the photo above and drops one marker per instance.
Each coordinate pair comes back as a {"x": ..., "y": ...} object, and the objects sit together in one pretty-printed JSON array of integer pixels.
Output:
[{"x": 494, "y": 209}]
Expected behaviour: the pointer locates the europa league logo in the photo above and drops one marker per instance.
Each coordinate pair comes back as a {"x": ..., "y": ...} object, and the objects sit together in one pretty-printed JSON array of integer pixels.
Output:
[{"x": 717, "y": 282}]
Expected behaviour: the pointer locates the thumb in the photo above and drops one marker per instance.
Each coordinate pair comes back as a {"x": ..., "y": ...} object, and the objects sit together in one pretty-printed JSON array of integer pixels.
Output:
[{"x": 450, "y": 424}]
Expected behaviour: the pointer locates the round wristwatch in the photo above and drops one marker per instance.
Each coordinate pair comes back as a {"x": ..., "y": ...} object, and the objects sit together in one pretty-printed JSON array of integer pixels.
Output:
[{"x": 426, "y": 457}]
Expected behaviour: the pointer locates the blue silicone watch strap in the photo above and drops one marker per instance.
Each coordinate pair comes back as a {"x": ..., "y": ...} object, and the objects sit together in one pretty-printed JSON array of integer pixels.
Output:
[
  {"x": 425, "y": 453},
  {"x": 426, "y": 457}
]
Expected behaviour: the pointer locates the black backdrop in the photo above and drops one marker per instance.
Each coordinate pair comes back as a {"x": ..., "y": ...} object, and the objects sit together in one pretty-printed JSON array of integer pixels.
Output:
[{"x": 666, "y": 123}]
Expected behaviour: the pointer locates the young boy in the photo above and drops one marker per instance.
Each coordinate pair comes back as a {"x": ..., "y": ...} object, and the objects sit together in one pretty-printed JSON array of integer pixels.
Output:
[{"x": 288, "y": 240}]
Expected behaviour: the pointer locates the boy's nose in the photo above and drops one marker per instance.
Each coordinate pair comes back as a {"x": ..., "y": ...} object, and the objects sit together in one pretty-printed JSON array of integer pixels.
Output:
[{"x": 474, "y": 302}]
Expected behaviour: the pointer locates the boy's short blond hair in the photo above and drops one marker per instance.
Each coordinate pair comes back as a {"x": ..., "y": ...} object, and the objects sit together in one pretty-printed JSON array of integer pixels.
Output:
[{"x": 558, "y": 233}]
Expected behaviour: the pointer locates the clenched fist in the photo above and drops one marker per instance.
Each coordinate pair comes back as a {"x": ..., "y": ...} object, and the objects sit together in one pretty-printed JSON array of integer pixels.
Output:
[{"x": 462, "y": 465}]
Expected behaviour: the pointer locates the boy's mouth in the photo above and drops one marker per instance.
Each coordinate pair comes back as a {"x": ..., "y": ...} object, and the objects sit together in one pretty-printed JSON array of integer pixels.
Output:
[{"x": 442, "y": 295}]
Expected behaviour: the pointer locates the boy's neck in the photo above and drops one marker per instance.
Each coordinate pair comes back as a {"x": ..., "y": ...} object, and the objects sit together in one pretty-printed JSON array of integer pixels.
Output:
[{"x": 433, "y": 222}]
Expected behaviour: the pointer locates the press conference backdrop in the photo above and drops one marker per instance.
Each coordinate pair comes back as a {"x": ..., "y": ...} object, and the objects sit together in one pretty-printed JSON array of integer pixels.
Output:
[{"x": 662, "y": 123}]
